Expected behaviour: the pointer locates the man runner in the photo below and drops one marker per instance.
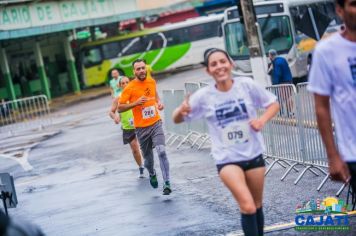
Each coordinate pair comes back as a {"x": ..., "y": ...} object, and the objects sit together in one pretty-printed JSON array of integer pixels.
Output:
[{"x": 141, "y": 96}]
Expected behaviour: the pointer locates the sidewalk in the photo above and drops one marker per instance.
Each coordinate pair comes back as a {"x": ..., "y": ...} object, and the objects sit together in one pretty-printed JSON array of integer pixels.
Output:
[{"x": 85, "y": 95}]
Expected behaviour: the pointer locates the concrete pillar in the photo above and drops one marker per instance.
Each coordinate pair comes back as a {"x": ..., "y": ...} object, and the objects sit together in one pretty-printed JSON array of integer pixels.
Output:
[
  {"x": 42, "y": 71},
  {"x": 254, "y": 38},
  {"x": 6, "y": 73},
  {"x": 71, "y": 65}
]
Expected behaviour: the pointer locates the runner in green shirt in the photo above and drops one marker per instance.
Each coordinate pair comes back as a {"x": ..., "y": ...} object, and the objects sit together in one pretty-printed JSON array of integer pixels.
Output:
[{"x": 128, "y": 130}]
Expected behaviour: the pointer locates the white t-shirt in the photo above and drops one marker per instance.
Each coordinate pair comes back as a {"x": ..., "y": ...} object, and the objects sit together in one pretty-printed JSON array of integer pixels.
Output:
[
  {"x": 228, "y": 114},
  {"x": 333, "y": 73}
]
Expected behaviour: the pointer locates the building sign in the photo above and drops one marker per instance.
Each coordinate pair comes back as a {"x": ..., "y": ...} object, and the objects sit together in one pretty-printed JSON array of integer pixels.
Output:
[{"x": 56, "y": 12}]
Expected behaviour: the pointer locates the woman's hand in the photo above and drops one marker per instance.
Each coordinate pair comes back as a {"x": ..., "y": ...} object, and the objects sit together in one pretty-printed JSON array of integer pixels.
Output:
[
  {"x": 271, "y": 111},
  {"x": 257, "y": 124},
  {"x": 183, "y": 110},
  {"x": 117, "y": 119}
]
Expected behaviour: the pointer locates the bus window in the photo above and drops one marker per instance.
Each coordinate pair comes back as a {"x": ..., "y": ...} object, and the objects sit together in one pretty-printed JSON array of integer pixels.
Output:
[
  {"x": 236, "y": 41},
  {"x": 153, "y": 41},
  {"x": 324, "y": 16},
  {"x": 276, "y": 34},
  {"x": 111, "y": 50},
  {"x": 203, "y": 31},
  {"x": 92, "y": 56},
  {"x": 176, "y": 36},
  {"x": 132, "y": 46}
]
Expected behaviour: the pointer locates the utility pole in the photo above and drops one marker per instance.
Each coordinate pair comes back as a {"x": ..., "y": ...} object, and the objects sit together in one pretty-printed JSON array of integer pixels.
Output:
[{"x": 254, "y": 39}]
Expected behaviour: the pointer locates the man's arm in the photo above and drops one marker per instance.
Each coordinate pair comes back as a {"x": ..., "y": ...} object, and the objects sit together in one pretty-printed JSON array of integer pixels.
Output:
[
  {"x": 125, "y": 107},
  {"x": 158, "y": 99},
  {"x": 160, "y": 105},
  {"x": 337, "y": 167},
  {"x": 122, "y": 107}
]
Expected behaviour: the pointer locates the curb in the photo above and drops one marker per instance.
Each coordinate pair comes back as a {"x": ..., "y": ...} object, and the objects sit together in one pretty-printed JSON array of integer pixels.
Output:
[{"x": 81, "y": 98}]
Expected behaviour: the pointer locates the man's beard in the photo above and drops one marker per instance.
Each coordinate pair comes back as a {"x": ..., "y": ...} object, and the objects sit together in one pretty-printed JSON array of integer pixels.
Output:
[{"x": 141, "y": 77}]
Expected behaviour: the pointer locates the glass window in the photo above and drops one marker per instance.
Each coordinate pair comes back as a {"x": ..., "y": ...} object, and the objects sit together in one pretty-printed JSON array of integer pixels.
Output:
[
  {"x": 203, "y": 31},
  {"x": 236, "y": 41},
  {"x": 111, "y": 50},
  {"x": 153, "y": 41},
  {"x": 92, "y": 56},
  {"x": 177, "y": 36},
  {"x": 276, "y": 34},
  {"x": 132, "y": 46},
  {"x": 192, "y": 33}
]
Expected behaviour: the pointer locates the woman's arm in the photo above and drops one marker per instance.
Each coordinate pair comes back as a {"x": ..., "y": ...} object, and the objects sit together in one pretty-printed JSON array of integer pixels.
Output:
[
  {"x": 112, "y": 112},
  {"x": 271, "y": 111},
  {"x": 122, "y": 107},
  {"x": 181, "y": 111}
]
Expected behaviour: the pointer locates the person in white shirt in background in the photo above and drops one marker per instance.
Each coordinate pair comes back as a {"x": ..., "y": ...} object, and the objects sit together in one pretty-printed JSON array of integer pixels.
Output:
[
  {"x": 114, "y": 83},
  {"x": 332, "y": 80}
]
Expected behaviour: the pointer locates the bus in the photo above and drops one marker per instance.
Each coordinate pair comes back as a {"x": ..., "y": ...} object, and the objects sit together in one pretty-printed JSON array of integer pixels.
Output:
[
  {"x": 168, "y": 47},
  {"x": 291, "y": 27}
]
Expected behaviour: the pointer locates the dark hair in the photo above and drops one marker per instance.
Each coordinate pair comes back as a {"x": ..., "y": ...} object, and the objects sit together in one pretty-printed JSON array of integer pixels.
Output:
[
  {"x": 341, "y": 3},
  {"x": 114, "y": 69},
  {"x": 138, "y": 60},
  {"x": 210, "y": 51}
]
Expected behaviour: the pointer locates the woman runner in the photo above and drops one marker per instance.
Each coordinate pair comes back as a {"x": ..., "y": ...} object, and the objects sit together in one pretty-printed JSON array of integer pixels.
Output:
[{"x": 229, "y": 106}]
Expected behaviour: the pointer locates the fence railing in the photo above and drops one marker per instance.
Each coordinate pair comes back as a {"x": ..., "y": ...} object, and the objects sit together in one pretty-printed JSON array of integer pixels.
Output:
[
  {"x": 291, "y": 138},
  {"x": 25, "y": 113}
]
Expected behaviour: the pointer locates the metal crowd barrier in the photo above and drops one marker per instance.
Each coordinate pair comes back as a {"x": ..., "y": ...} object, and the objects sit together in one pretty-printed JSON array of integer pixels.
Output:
[
  {"x": 24, "y": 114},
  {"x": 172, "y": 99},
  {"x": 313, "y": 146},
  {"x": 198, "y": 135},
  {"x": 291, "y": 138},
  {"x": 193, "y": 133},
  {"x": 190, "y": 88}
]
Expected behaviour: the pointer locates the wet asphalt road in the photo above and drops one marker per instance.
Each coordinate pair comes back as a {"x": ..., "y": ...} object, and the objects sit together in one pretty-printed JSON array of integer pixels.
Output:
[{"x": 84, "y": 182}]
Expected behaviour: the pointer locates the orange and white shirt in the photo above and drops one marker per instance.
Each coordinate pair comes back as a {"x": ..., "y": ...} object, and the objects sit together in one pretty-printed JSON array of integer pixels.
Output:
[{"x": 147, "y": 114}]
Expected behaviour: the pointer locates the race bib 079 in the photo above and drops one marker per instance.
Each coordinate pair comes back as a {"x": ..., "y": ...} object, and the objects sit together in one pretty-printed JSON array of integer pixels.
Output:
[
  {"x": 148, "y": 112},
  {"x": 236, "y": 133}
]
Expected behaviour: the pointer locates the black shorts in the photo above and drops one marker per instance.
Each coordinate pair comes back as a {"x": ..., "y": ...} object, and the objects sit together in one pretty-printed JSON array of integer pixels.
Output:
[
  {"x": 245, "y": 165},
  {"x": 128, "y": 135}
]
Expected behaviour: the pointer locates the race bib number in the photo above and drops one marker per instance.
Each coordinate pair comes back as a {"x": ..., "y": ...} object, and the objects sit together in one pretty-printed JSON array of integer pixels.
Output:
[
  {"x": 131, "y": 122},
  {"x": 148, "y": 112},
  {"x": 236, "y": 133}
]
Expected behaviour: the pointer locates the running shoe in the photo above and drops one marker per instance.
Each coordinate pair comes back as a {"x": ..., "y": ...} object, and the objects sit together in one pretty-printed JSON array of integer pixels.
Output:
[
  {"x": 141, "y": 173},
  {"x": 167, "y": 188},
  {"x": 154, "y": 181}
]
